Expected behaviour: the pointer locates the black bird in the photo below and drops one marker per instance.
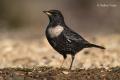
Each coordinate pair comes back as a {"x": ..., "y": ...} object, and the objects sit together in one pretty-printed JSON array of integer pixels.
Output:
[{"x": 63, "y": 39}]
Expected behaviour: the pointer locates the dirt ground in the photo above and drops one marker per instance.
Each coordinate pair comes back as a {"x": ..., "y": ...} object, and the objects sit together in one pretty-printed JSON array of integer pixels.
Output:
[
  {"x": 49, "y": 73},
  {"x": 19, "y": 56}
]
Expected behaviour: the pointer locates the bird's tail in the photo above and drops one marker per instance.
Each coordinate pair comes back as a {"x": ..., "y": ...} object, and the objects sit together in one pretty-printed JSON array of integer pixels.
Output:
[{"x": 94, "y": 45}]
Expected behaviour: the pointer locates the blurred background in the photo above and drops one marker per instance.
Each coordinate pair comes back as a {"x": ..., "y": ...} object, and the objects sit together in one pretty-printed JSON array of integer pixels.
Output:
[{"x": 22, "y": 27}]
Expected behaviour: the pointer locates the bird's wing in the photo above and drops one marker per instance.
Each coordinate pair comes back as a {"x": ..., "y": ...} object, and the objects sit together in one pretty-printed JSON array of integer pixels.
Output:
[{"x": 73, "y": 36}]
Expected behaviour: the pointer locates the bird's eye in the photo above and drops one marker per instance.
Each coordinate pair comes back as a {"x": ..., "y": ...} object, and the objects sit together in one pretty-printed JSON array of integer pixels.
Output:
[{"x": 55, "y": 14}]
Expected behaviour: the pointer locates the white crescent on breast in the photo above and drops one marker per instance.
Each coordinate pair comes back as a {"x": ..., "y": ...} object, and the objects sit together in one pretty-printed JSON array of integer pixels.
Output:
[{"x": 55, "y": 31}]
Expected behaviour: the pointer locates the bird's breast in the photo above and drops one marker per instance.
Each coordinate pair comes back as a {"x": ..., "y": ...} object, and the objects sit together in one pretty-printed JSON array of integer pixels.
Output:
[{"x": 55, "y": 31}]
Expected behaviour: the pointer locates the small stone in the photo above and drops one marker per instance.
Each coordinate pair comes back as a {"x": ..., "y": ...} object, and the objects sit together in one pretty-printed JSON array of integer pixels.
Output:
[{"x": 65, "y": 72}]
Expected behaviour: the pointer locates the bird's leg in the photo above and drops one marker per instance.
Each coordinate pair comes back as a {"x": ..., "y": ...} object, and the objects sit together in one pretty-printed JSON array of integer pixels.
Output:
[
  {"x": 73, "y": 56},
  {"x": 64, "y": 56},
  {"x": 62, "y": 63}
]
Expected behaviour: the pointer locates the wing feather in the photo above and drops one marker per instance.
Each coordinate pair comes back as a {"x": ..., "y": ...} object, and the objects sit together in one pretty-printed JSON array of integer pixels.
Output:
[{"x": 74, "y": 37}]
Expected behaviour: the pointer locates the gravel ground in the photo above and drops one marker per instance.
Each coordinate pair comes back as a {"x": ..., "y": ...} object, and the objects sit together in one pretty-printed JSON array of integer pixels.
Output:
[{"x": 37, "y": 52}]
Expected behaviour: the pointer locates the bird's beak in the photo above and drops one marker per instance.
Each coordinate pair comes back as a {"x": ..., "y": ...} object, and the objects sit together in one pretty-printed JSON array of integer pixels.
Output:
[{"x": 47, "y": 12}]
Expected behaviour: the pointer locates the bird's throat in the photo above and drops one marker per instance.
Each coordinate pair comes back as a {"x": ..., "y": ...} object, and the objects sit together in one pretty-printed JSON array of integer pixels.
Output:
[{"x": 54, "y": 21}]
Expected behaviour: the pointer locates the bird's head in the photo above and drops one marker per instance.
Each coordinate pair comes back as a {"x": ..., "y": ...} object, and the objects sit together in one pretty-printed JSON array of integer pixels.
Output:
[{"x": 54, "y": 15}]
